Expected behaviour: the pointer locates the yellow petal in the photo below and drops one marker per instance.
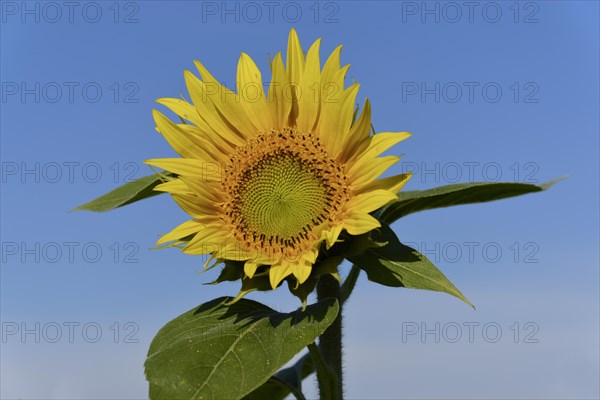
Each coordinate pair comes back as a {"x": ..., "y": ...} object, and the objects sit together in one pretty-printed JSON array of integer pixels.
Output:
[
  {"x": 207, "y": 238},
  {"x": 295, "y": 68},
  {"x": 331, "y": 67},
  {"x": 360, "y": 175},
  {"x": 301, "y": 271},
  {"x": 337, "y": 108},
  {"x": 217, "y": 145},
  {"x": 310, "y": 256},
  {"x": 180, "y": 166},
  {"x": 332, "y": 87},
  {"x": 176, "y": 137},
  {"x": 358, "y": 223},
  {"x": 187, "y": 228},
  {"x": 267, "y": 258},
  {"x": 280, "y": 98},
  {"x": 176, "y": 186},
  {"x": 230, "y": 249},
  {"x": 380, "y": 143},
  {"x": 185, "y": 111},
  {"x": 344, "y": 118},
  {"x": 203, "y": 99},
  {"x": 278, "y": 272},
  {"x": 331, "y": 236},
  {"x": 202, "y": 184},
  {"x": 358, "y": 137},
  {"x": 227, "y": 103},
  {"x": 309, "y": 90},
  {"x": 294, "y": 58},
  {"x": 250, "y": 268},
  {"x": 204, "y": 188},
  {"x": 251, "y": 93},
  {"x": 370, "y": 201},
  {"x": 392, "y": 183},
  {"x": 182, "y": 108},
  {"x": 208, "y": 260},
  {"x": 196, "y": 206}
]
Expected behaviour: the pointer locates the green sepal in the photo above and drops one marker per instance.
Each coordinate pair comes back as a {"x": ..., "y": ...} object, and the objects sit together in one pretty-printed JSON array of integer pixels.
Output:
[
  {"x": 232, "y": 271},
  {"x": 260, "y": 283}
]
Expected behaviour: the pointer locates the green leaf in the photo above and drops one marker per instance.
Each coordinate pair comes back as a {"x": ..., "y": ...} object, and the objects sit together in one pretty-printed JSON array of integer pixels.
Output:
[
  {"x": 131, "y": 192},
  {"x": 280, "y": 385},
  {"x": 273, "y": 389},
  {"x": 398, "y": 265},
  {"x": 216, "y": 351},
  {"x": 285, "y": 381},
  {"x": 452, "y": 195}
]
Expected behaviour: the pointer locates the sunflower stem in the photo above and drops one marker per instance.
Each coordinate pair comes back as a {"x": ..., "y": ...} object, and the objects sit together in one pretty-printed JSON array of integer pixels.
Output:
[{"x": 330, "y": 342}]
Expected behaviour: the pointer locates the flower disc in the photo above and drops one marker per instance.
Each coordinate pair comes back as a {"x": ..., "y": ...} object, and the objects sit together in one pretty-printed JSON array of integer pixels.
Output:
[
  {"x": 280, "y": 197},
  {"x": 281, "y": 187}
]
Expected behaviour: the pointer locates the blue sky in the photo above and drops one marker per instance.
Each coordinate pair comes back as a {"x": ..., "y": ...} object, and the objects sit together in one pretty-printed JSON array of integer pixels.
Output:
[{"x": 503, "y": 90}]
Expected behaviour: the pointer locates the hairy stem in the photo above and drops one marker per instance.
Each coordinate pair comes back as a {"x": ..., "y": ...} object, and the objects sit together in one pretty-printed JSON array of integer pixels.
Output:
[{"x": 330, "y": 342}]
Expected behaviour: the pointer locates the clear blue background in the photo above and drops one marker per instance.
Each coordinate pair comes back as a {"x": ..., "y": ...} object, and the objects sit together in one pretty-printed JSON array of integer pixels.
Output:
[{"x": 388, "y": 48}]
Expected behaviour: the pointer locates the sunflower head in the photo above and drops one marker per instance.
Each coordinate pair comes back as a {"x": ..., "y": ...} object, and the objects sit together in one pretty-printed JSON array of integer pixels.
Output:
[{"x": 272, "y": 180}]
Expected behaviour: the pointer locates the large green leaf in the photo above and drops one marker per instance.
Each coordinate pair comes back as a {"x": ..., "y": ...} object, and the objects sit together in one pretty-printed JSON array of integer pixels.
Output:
[
  {"x": 216, "y": 351},
  {"x": 131, "y": 192},
  {"x": 285, "y": 381},
  {"x": 397, "y": 265},
  {"x": 289, "y": 380},
  {"x": 452, "y": 195}
]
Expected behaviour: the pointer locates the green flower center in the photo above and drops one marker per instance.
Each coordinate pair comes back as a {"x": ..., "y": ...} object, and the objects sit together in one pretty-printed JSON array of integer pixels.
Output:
[
  {"x": 280, "y": 189},
  {"x": 281, "y": 197}
]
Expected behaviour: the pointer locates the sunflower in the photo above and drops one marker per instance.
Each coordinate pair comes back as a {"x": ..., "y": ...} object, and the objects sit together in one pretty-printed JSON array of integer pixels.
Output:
[{"x": 271, "y": 179}]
